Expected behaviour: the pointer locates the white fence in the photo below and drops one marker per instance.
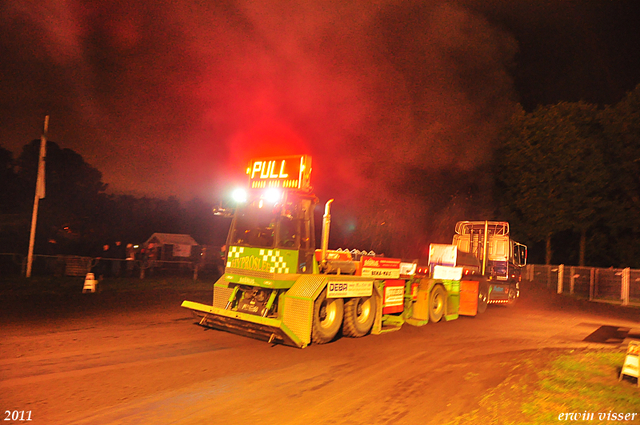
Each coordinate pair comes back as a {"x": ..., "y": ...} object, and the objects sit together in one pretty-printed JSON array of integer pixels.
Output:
[{"x": 595, "y": 284}]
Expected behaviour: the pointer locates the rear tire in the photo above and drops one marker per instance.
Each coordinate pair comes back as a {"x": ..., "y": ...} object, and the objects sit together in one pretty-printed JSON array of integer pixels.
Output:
[
  {"x": 437, "y": 300},
  {"x": 359, "y": 314},
  {"x": 327, "y": 318},
  {"x": 483, "y": 296},
  {"x": 512, "y": 297}
]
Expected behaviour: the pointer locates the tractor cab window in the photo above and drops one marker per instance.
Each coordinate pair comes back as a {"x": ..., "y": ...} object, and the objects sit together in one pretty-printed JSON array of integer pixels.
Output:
[
  {"x": 290, "y": 225},
  {"x": 255, "y": 225},
  {"x": 263, "y": 225},
  {"x": 288, "y": 232}
]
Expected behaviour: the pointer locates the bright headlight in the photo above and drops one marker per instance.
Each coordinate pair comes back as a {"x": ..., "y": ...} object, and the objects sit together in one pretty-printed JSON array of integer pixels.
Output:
[
  {"x": 272, "y": 195},
  {"x": 239, "y": 195}
]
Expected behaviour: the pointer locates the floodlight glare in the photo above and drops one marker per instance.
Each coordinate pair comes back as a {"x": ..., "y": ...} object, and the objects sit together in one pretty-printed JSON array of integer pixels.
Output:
[
  {"x": 239, "y": 195},
  {"x": 272, "y": 195}
]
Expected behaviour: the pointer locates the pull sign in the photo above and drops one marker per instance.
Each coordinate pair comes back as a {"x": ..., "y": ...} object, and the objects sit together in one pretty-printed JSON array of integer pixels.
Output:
[
  {"x": 267, "y": 169},
  {"x": 290, "y": 172}
]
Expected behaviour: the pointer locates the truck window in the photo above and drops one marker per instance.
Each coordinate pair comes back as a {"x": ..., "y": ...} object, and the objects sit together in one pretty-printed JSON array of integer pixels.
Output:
[
  {"x": 516, "y": 254},
  {"x": 288, "y": 232},
  {"x": 255, "y": 226}
]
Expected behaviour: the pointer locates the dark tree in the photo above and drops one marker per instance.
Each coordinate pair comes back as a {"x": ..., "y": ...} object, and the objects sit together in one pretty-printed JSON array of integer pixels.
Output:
[
  {"x": 621, "y": 126},
  {"x": 11, "y": 199},
  {"x": 14, "y": 223},
  {"x": 78, "y": 217},
  {"x": 73, "y": 207},
  {"x": 551, "y": 172}
]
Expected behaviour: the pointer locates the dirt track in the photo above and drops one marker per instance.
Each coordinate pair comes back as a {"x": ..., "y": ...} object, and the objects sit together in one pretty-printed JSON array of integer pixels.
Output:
[{"x": 128, "y": 359}]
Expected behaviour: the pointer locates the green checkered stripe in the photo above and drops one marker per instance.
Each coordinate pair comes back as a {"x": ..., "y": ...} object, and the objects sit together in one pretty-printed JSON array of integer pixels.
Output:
[
  {"x": 234, "y": 252},
  {"x": 274, "y": 257}
]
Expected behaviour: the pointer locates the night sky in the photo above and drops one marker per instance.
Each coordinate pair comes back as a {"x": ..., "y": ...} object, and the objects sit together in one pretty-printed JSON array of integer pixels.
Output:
[{"x": 173, "y": 97}]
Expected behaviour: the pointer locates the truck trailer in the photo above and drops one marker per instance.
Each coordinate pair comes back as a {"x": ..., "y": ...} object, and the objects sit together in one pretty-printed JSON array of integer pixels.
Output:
[{"x": 278, "y": 287}]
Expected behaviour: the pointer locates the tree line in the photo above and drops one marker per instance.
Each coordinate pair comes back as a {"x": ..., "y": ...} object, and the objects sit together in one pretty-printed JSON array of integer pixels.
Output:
[
  {"x": 566, "y": 176},
  {"x": 77, "y": 215},
  {"x": 568, "y": 179}
]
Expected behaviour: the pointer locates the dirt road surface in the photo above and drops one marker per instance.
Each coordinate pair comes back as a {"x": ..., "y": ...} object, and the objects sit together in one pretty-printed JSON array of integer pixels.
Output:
[{"x": 134, "y": 358}]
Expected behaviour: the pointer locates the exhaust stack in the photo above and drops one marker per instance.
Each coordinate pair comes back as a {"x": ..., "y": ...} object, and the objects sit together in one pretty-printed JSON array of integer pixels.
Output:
[{"x": 326, "y": 224}]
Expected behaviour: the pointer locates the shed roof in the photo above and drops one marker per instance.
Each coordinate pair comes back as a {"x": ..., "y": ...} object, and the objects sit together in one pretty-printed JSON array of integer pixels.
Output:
[{"x": 171, "y": 239}]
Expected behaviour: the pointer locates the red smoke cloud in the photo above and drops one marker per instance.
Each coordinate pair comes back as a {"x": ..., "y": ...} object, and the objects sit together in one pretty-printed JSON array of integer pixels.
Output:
[{"x": 173, "y": 99}]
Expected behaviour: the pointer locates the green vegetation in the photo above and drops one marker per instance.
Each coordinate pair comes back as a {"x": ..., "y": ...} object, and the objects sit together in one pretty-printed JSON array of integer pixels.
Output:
[
  {"x": 578, "y": 381},
  {"x": 571, "y": 169}
]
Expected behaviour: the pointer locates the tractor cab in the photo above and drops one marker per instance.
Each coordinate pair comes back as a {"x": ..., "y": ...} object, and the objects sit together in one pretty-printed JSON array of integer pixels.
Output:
[
  {"x": 276, "y": 221},
  {"x": 272, "y": 232}
]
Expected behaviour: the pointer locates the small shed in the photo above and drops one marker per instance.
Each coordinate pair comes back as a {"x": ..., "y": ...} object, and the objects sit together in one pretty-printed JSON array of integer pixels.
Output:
[{"x": 171, "y": 246}]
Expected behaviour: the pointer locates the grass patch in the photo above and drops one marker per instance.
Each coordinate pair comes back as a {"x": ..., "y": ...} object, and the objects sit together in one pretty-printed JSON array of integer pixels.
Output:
[{"x": 578, "y": 381}]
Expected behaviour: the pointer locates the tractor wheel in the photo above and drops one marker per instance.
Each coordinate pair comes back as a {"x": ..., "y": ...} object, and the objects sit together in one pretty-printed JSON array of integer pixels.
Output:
[
  {"x": 359, "y": 314},
  {"x": 483, "y": 296},
  {"x": 327, "y": 318},
  {"x": 437, "y": 301},
  {"x": 512, "y": 297}
]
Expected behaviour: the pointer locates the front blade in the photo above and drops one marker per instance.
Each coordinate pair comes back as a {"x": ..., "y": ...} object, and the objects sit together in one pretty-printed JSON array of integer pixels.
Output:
[{"x": 262, "y": 328}]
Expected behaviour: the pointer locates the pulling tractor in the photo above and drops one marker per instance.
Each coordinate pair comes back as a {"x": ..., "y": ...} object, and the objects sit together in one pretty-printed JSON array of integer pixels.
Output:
[{"x": 279, "y": 288}]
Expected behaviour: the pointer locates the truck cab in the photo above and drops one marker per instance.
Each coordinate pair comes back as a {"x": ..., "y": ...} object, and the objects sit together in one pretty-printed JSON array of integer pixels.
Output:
[
  {"x": 273, "y": 221},
  {"x": 501, "y": 258}
]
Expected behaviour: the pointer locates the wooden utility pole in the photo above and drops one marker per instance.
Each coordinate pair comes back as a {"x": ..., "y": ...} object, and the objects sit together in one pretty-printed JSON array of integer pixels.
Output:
[{"x": 40, "y": 192}]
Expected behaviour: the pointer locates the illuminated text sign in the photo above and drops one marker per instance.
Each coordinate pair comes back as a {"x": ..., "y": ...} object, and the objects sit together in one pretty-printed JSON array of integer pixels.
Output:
[{"x": 291, "y": 172}]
